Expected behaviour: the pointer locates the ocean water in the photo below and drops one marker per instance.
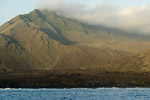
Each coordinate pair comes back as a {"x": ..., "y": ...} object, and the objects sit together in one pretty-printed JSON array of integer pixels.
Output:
[{"x": 76, "y": 94}]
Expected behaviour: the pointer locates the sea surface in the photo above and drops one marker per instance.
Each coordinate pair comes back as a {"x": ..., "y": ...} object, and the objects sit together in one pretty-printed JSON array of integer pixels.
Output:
[{"x": 76, "y": 94}]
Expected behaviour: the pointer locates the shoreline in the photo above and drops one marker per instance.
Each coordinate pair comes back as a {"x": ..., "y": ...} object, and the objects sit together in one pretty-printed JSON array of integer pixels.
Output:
[
  {"x": 74, "y": 88},
  {"x": 71, "y": 80}
]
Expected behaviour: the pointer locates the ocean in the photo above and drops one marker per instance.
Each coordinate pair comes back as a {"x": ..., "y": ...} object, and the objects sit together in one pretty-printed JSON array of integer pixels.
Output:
[{"x": 76, "y": 94}]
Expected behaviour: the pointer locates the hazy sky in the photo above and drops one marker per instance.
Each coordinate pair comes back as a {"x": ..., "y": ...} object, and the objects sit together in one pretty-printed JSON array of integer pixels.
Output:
[
  {"x": 12, "y": 8},
  {"x": 125, "y": 14}
]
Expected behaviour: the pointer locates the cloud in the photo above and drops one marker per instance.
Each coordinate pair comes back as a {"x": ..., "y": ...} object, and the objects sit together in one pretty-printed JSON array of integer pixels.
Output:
[{"x": 129, "y": 18}]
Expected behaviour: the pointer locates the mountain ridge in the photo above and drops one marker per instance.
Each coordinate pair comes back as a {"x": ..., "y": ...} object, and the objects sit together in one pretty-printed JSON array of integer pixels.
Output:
[{"x": 45, "y": 41}]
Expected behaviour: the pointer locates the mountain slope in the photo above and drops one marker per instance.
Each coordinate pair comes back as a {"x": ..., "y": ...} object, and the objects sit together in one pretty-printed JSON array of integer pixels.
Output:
[
  {"x": 69, "y": 31},
  {"x": 137, "y": 63},
  {"x": 12, "y": 55},
  {"x": 42, "y": 40},
  {"x": 83, "y": 57},
  {"x": 38, "y": 42}
]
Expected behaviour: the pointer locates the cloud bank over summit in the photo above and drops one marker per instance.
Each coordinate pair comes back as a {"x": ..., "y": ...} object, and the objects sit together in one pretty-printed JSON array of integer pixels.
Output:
[{"x": 129, "y": 18}]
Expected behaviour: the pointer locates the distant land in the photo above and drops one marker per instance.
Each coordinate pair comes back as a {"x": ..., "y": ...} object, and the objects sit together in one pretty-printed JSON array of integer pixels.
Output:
[{"x": 45, "y": 50}]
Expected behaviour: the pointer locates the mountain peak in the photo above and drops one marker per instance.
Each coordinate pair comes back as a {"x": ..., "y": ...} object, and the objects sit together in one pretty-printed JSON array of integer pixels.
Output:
[
  {"x": 47, "y": 40},
  {"x": 35, "y": 11}
]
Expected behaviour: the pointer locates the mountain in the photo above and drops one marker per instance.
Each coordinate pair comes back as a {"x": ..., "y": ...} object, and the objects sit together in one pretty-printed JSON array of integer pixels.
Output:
[
  {"x": 69, "y": 31},
  {"x": 43, "y": 40},
  {"x": 37, "y": 42}
]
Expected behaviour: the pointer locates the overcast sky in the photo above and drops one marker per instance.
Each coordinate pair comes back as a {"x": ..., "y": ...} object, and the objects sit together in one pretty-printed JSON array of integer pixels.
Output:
[{"x": 132, "y": 15}]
